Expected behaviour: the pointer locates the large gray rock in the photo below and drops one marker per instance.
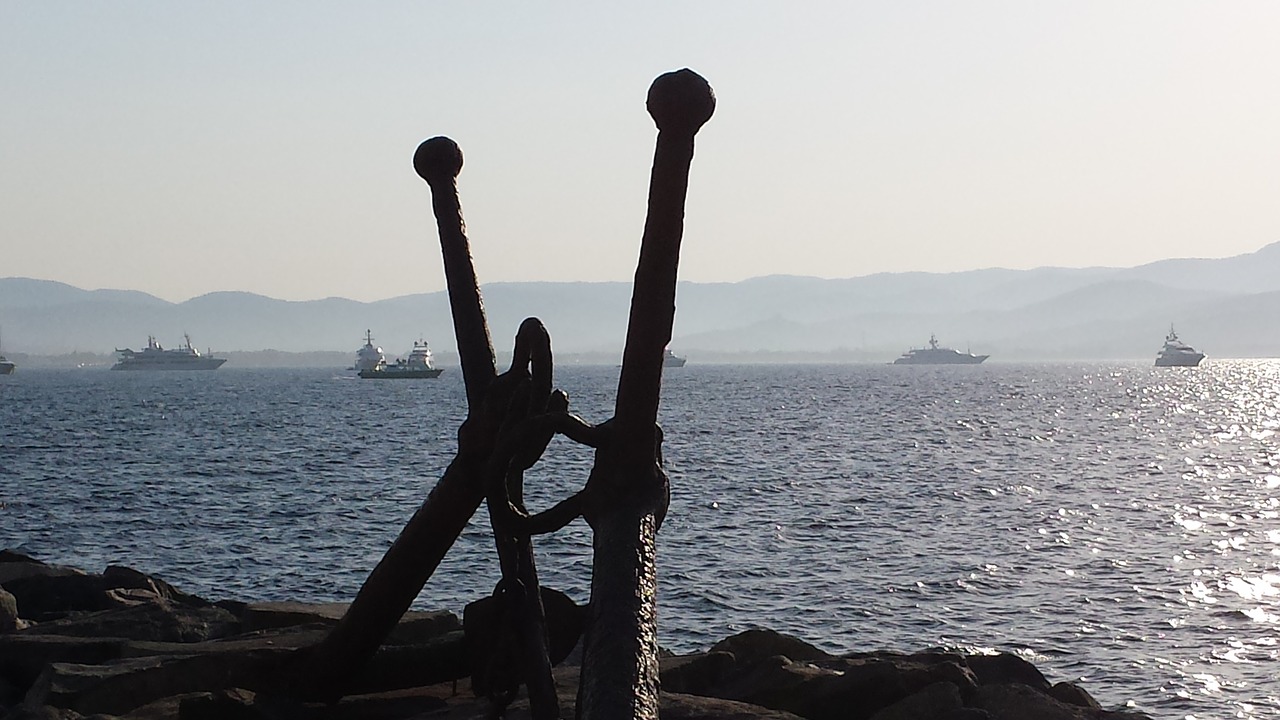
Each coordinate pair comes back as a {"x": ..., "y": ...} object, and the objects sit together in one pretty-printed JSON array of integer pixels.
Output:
[
  {"x": 268, "y": 615},
  {"x": 695, "y": 674},
  {"x": 853, "y": 688},
  {"x": 1006, "y": 669},
  {"x": 45, "y": 597},
  {"x": 414, "y": 627},
  {"x": 153, "y": 618},
  {"x": 118, "y": 686},
  {"x": 24, "y": 655},
  {"x": 118, "y": 576},
  {"x": 15, "y": 565},
  {"x": 934, "y": 701},
  {"x": 1021, "y": 702},
  {"x": 752, "y": 646},
  {"x": 780, "y": 684},
  {"x": 290, "y": 638},
  {"x": 1073, "y": 695}
]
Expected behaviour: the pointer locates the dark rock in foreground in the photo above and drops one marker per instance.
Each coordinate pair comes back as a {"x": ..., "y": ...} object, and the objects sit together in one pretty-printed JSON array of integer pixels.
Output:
[{"x": 122, "y": 645}]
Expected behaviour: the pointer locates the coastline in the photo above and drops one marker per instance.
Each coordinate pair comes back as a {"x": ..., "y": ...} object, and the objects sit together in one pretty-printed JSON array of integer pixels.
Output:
[{"x": 122, "y": 644}]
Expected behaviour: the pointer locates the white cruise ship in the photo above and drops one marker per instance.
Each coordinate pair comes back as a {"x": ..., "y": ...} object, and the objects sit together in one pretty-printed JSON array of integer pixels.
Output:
[{"x": 154, "y": 357}]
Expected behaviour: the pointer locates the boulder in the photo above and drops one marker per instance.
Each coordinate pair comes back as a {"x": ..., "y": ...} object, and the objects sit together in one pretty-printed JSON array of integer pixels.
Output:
[
  {"x": 1023, "y": 702},
  {"x": 24, "y": 655},
  {"x": 854, "y": 688},
  {"x": 292, "y": 639},
  {"x": 118, "y": 576},
  {"x": 118, "y": 686},
  {"x": 44, "y": 597},
  {"x": 752, "y": 646},
  {"x": 870, "y": 685},
  {"x": 15, "y": 565},
  {"x": 1006, "y": 668},
  {"x": 778, "y": 683},
  {"x": 268, "y": 615},
  {"x": 1073, "y": 695},
  {"x": 414, "y": 627},
  {"x": 154, "y": 618},
  {"x": 934, "y": 701},
  {"x": 695, "y": 674}
]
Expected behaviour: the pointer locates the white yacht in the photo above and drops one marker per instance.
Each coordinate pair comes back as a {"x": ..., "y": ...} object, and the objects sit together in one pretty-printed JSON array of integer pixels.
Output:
[
  {"x": 154, "y": 357},
  {"x": 1176, "y": 353},
  {"x": 934, "y": 355}
]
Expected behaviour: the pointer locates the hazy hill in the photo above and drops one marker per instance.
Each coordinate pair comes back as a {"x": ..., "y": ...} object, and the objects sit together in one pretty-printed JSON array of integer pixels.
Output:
[
  {"x": 1250, "y": 273},
  {"x": 27, "y": 293},
  {"x": 1227, "y": 307}
]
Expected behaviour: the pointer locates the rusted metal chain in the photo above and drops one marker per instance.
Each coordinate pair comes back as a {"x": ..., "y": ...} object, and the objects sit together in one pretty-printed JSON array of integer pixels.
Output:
[{"x": 516, "y": 452}]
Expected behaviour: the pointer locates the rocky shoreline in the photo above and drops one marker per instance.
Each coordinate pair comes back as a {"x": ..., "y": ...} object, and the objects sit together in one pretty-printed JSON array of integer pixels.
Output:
[{"x": 121, "y": 645}]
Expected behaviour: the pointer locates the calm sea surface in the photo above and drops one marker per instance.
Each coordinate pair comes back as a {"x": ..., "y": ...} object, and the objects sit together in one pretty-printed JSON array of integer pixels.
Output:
[{"x": 1118, "y": 525}]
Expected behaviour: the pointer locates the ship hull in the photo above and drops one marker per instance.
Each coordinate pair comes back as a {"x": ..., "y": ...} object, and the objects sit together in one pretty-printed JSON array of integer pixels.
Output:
[
  {"x": 391, "y": 374},
  {"x": 6, "y": 368},
  {"x": 1180, "y": 361},
  {"x": 201, "y": 364},
  {"x": 954, "y": 360}
]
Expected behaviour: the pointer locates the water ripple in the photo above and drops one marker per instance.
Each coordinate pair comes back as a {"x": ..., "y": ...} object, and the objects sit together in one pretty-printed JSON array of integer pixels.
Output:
[{"x": 1118, "y": 524}]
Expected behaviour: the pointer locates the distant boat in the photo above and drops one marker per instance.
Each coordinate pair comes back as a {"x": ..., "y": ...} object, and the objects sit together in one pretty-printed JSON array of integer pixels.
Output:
[
  {"x": 6, "y": 366},
  {"x": 370, "y": 356},
  {"x": 371, "y": 364},
  {"x": 670, "y": 359},
  {"x": 154, "y": 357},
  {"x": 1176, "y": 353},
  {"x": 934, "y": 355}
]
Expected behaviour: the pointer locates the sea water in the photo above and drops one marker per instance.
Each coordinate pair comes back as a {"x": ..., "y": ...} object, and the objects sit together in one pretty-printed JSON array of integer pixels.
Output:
[{"x": 1116, "y": 524}]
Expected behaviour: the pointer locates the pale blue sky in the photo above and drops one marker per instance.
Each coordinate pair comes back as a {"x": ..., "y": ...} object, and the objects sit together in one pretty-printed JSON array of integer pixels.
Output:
[{"x": 182, "y": 148}]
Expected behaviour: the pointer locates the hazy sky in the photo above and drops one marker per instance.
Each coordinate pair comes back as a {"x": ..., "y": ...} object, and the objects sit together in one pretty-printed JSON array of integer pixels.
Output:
[{"x": 182, "y": 148}]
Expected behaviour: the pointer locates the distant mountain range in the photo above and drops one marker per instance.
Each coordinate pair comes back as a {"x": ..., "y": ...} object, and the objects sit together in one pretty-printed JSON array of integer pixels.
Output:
[{"x": 1227, "y": 307}]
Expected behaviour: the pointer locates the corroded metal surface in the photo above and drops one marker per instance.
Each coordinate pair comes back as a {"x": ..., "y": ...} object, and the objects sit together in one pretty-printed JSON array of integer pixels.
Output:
[
  {"x": 407, "y": 565},
  {"x": 511, "y": 419},
  {"x": 627, "y": 491}
]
